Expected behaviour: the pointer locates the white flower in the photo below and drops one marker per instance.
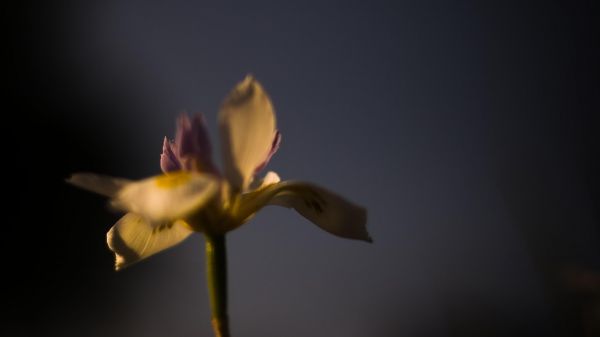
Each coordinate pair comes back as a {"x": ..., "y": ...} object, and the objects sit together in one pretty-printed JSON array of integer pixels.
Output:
[{"x": 193, "y": 196}]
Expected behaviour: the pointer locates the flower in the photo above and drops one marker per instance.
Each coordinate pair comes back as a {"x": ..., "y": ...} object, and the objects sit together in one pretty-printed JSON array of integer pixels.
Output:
[{"x": 194, "y": 196}]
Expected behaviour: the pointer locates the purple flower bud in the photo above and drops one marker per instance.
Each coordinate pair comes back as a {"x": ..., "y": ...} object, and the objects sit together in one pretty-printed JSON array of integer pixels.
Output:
[
  {"x": 191, "y": 150},
  {"x": 168, "y": 160}
]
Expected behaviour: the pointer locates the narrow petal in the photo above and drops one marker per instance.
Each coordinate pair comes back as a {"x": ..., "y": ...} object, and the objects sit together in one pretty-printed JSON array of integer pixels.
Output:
[
  {"x": 168, "y": 197},
  {"x": 133, "y": 238},
  {"x": 184, "y": 127},
  {"x": 247, "y": 128},
  {"x": 168, "y": 159},
  {"x": 325, "y": 209},
  {"x": 97, "y": 183}
]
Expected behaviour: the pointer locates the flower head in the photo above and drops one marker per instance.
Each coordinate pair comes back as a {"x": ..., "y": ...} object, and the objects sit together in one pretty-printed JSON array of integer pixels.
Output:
[{"x": 192, "y": 195}]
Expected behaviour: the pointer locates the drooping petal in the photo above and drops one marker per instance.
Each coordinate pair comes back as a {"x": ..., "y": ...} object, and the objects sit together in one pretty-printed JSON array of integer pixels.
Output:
[
  {"x": 168, "y": 197},
  {"x": 193, "y": 144},
  {"x": 133, "y": 238},
  {"x": 247, "y": 128},
  {"x": 325, "y": 209},
  {"x": 97, "y": 183},
  {"x": 168, "y": 160}
]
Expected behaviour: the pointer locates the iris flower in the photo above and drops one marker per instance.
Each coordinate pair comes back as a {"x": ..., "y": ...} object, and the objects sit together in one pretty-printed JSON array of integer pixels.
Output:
[{"x": 193, "y": 195}]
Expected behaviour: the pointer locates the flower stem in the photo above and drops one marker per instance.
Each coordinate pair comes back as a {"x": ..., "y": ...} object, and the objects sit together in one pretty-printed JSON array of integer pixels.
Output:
[{"x": 216, "y": 274}]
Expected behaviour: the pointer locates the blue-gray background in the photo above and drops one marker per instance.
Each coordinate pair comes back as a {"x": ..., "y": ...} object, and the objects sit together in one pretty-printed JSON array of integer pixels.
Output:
[{"x": 468, "y": 131}]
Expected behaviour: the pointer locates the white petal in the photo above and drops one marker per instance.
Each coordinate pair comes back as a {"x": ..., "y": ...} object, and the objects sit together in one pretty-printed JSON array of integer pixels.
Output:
[
  {"x": 101, "y": 184},
  {"x": 269, "y": 179},
  {"x": 247, "y": 128},
  {"x": 325, "y": 209},
  {"x": 133, "y": 239},
  {"x": 167, "y": 197}
]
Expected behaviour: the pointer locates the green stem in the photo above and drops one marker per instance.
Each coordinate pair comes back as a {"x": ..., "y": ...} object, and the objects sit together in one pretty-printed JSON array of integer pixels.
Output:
[{"x": 216, "y": 274}]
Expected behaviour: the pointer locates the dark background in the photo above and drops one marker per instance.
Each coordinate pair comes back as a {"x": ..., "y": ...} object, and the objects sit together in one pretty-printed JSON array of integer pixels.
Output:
[{"x": 468, "y": 129}]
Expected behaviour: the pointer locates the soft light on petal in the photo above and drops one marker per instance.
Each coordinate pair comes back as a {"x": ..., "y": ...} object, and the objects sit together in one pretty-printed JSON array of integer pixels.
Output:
[
  {"x": 167, "y": 197},
  {"x": 325, "y": 209},
  {"x": 269, "y": 179},
  {"x": 133, "y": 238},
  {"x": 97, "y": 183},
  {"x": 274, "y": 148},
  {"x": 247, "y": 128}
]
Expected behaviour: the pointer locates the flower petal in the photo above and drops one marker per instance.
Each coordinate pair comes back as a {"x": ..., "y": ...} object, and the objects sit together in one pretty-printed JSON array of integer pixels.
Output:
[
  {"x": 168, "y": 197},
  {"x": 269, "y": 179},
  {"x": 168, "y": 160},
  {"x": 247, "y": 128},
  {"x": 193, "y": 144},
  {"x": 274, "y": 148},
  {"x": 325, "y": 209},
  {"x": 133, "y": 238},
  {"x": 97, "y": 183}
]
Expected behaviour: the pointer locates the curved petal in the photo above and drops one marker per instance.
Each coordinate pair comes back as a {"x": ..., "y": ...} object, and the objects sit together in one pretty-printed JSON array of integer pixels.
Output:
[
  {"x": 97, "y": 183},
  {"x": 167, "y": 197},
  {"x": 247, "y": 129},
  {"x": 325, "y": 209},
  {"x": 274, "y": 148},
  {"x": 133, "y": 238}
]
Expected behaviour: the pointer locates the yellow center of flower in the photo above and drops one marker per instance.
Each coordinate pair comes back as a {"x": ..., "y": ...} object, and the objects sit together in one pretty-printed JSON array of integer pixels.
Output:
[{"x": 174, "y": 180}]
